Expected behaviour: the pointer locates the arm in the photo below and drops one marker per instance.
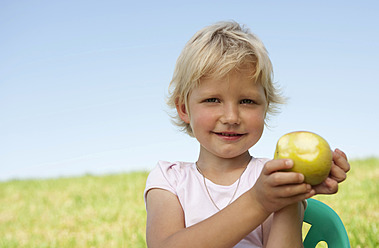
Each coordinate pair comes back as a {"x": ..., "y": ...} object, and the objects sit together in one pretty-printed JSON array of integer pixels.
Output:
[
  {"x": 286, "y": 227},
  {"x": 272, "y": 191}
]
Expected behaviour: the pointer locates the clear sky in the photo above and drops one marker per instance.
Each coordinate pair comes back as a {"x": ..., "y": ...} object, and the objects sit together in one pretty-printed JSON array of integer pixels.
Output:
[{"x": 82, "y": 83}]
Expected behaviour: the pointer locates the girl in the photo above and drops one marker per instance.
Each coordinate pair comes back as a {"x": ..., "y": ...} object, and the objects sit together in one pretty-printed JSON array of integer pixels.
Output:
[{"x": 222, "y": 91}]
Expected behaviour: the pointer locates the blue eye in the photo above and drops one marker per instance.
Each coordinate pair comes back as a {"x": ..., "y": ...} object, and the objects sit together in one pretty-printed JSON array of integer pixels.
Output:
[
  {"x": 247, "y": 101},
  {"x": 212, "y": 100}
]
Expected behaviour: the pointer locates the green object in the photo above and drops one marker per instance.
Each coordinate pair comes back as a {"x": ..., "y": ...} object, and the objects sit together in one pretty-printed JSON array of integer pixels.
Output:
[{"x": 326, "y": 226}]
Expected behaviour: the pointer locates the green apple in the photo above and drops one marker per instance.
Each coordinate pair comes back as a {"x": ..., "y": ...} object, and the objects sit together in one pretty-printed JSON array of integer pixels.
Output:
[{"x": 310, "y": 153}]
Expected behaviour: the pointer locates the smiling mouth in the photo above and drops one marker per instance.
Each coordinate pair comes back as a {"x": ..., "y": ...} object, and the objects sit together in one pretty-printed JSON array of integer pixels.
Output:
[{"x": 229, "y": 134}]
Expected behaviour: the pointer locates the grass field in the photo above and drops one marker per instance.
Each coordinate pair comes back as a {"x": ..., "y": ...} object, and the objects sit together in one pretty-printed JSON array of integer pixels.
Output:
[{"x": 109, "y": 211}]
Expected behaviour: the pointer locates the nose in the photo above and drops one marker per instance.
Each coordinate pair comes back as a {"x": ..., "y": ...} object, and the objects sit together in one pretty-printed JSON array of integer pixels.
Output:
[{"x": 231, "y": 114}]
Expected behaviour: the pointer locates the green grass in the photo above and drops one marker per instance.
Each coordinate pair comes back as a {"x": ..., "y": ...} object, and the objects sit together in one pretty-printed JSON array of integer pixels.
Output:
[
  {"x": 109, "y": 211},
  {"x": 357, "y": 203},
  {"x": 89, "y": 211}
]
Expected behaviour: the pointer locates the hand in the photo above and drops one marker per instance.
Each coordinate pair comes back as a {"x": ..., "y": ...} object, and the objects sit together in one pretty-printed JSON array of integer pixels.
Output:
[
  {"x": 275, "y": 189},
  {"x": 337, "y": 174}
]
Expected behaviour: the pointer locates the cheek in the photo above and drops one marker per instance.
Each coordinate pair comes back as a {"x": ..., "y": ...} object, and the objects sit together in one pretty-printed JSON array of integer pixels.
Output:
[
  {"x": 256, "y": 121},
  {"x": 203, "y": 120}
]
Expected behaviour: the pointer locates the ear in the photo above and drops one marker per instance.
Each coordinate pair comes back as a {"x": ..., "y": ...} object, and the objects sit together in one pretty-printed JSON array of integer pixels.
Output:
[{"x": 182, "y": 112}]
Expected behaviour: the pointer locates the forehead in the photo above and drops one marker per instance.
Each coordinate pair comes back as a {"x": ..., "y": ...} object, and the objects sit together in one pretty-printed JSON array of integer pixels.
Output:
[
  {"x": 246, "y": 68},
  {"x": 236, "y": 77},
  {"x": 233, "y": 84}
]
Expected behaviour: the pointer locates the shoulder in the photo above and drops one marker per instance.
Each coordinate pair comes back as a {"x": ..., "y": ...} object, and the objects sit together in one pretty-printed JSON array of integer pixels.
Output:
[
  {"x": 168, "y": 175},
  {"x": 261, "y": 161},
  {"x": 171, "y": 170}
]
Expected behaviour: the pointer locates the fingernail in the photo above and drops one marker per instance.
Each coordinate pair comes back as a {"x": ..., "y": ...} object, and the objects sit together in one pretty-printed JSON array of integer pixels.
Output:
[
  {"x": 289, "y": 162},
  {"x": 301, "y": 177}
]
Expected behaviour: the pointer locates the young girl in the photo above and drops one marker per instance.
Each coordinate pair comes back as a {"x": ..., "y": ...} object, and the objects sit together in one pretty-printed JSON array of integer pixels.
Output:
[{"x": 222, "y": 90}]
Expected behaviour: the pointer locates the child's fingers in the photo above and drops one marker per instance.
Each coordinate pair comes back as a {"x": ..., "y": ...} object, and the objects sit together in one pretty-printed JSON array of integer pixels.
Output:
[
  {"x": 329, "y": 186},
  {"x": 288, "y": 195},
  {"x": 337, "y": 173},
  {"x": 340, "y": 159},
  {"x": 289, "y": 191},
  {"x": 285, "y": 178},
  {"x": 340, "y": 153},
  {"x": 276, "y": 165},
  {"x": 300, "y": 197}
]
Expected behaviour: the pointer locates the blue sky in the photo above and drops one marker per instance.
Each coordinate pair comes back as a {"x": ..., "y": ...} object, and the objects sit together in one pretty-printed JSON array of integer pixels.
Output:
[{"x": 82, "y": 83}]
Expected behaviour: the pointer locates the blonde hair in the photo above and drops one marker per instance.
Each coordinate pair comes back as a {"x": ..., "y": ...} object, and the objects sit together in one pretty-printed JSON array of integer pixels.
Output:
[{"x": 213, "y": 52}]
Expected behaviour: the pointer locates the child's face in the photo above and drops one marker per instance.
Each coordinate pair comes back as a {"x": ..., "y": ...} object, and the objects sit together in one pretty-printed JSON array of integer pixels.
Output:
[{"x": 226, "y": 115}]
